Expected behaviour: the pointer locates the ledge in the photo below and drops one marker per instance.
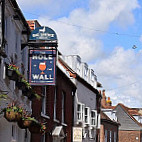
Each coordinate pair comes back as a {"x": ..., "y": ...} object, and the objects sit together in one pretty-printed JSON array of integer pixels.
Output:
[
  {"x": 45, "y": 116},
  {"x": 57, "y": 121},
  {"x": 64, "y": 124}
]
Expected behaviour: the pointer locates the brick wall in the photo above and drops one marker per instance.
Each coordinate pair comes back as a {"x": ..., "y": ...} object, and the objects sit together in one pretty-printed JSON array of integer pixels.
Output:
[
  {"x": 63, "y": 84},
  {"x": 110, "y": 126},
  {"x": 129, "y": 136}
]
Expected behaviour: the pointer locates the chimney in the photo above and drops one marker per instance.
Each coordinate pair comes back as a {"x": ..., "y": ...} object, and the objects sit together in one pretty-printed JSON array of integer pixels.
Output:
[
  {"x": 103, "y": 101},
  {"x": 109, "y": 102}
]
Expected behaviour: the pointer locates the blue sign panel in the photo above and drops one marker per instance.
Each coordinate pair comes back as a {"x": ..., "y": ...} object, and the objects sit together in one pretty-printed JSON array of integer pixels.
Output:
[
  {"x": 43, "y": 33},
  {"x": 42, "y": 67}
]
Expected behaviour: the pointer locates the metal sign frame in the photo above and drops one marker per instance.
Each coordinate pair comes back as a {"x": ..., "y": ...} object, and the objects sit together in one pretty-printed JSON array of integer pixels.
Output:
[{"x": 42, "y": 67}]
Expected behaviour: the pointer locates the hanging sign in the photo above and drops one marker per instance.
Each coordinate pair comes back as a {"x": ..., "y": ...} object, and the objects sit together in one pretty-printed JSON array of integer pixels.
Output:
[
  {"x": 43, "y": 33},
  {"x": 42, "y": 67}
]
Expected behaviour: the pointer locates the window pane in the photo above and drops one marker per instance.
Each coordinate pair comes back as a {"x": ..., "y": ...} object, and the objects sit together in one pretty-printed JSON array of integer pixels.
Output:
[{"x": 78, "y": 107}]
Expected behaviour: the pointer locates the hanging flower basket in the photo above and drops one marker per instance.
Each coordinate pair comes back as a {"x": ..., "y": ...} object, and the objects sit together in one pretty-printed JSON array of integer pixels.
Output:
[
  {"x": 24, "y": 123},
  {"x": 35, "y": 127},
  {"x": 12, "y": 72},
  {"x": 10, "y": 116},
  {"x": 13, "y": 113},
  {"x": 12, "y": 75}
]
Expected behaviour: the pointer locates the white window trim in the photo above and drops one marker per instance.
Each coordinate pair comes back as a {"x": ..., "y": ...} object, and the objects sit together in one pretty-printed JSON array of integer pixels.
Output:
[
  {"x": 110, "y": 136},
  {"x": 82, "y": 108},
  {"x": 115, "y": 136},
  {"x": 105, "y": 135},
  {"x": 63, "y": 107},
  {"x": 55, "y": 105},
  {"x": 88, "y": 115},
  {"x": 44, "y": 102}
]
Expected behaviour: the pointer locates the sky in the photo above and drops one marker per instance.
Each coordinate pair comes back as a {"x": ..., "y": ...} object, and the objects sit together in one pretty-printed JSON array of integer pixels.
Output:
[{"x": 102, "y": 33}]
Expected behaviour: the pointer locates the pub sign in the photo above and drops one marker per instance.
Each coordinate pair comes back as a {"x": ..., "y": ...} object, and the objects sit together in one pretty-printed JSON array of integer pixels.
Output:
[
  {"x": 43, "y": 33},
  {"x": 42, "y": 67}
]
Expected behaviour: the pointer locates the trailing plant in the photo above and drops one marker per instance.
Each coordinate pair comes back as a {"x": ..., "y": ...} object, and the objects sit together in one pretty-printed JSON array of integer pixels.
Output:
[
  {"x": 26, "y": 83},
  {"x": 3, "y": 96}
]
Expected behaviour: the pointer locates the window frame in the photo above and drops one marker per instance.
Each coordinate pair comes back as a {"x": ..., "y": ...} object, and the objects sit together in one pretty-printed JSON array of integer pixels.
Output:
[
  {"x": 106, "y": 135},
  {"x": 63, "y": 106},
  {"x": 44, "y": 99},
  {"x": 93, "y": 118},
  {"x": 87, "y": 115},
  {"x": 81, "y": 112},
  {"x": 55, "y": 104}
]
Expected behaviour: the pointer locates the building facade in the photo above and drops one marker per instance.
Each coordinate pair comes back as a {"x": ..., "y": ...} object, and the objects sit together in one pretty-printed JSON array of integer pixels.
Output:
[
  {"x": 14, "y": 32},
  {"x": 87, "y": 99},
  {"x": 109, "y": 129}
]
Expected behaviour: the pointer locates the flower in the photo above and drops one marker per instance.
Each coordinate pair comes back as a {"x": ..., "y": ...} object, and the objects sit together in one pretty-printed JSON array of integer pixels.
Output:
[
  {"x": 15, "y": 68},
  {"x": 43, "y": 127},
  {"x": 11, "y": 66}
]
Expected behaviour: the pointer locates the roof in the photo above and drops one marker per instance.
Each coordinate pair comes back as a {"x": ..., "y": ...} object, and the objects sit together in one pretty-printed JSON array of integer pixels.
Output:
[
  {"x": 20, "y": 15},
  {"x": 105, "y": 118},
  {"x": 130, "y": 112},
  {"x": 33, "y": 24},
  {"x": 75, "y": 75}
]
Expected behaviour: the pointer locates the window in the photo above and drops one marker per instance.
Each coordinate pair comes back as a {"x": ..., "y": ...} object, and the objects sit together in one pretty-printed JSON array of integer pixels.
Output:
[
  {"x": 63, "y": 107},
  {"x": 85, "y": 73},
  {"x": 114, "y": 136},
  {"x": 43, "y": 138},
  {"x": 55, "y": 101},
  {"x": 93, "y": 118},
  {"x": 80, "y": 112},
  {"x": 44, "y": 100},
  {"x": 78, "y": 66},
  {"x": 105, "y": 135},
  {"x": 86, "y": 115},
  {"x": 14, "y": 132},
  {"x": 110, "y": 136}
]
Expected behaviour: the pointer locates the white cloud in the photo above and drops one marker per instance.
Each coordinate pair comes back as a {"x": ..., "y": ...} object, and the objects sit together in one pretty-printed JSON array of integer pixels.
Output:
[
  {"x": 122, "y": 76},
  {"x": 82, "y": 41},
  {"x": 122, "y": 67}
]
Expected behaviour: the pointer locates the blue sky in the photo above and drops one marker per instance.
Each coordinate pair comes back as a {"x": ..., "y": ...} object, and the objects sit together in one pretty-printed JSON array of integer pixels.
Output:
[{"x": 102, "y": 33}]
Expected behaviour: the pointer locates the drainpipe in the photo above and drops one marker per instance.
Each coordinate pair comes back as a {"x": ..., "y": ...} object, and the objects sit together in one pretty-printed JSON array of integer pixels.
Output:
[
  {"x": 2, "y": 29},
  {"x": 3, "y": 23}
]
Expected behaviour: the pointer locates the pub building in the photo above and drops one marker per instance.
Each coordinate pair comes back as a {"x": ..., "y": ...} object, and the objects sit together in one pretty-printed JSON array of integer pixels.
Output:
[{"x": 53, "y": 84}]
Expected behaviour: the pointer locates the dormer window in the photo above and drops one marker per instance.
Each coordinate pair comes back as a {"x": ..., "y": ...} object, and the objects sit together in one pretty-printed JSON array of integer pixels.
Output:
[{"x": 78, "y": 67}]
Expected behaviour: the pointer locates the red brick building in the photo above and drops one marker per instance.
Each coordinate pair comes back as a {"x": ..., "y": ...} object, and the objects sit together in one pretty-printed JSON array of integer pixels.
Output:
[
  {"x": 56, "y": 109},
  {"x": 109, "y": 129},
  {"x": 56, "y": 106},
  {"x": 130, "y": 119}
]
